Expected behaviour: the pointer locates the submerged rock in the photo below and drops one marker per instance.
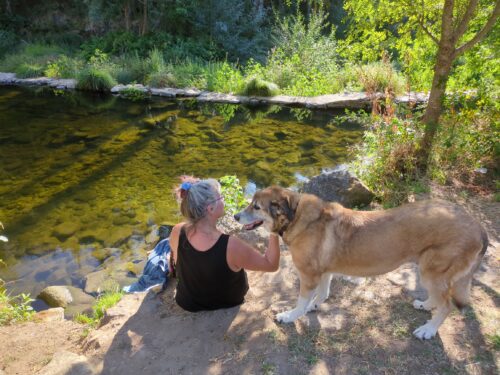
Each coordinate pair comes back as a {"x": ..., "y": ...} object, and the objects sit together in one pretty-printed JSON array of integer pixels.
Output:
[{"x": 65, "y": 230}]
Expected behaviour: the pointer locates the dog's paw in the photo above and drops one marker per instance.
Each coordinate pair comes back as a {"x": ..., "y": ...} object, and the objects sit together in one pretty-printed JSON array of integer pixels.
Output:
[
  {"x": 425, "y": 332},
  {"x": 286, "y": 317},
  {"x": 421, "y": 305},
  {"x": 312, "y": 307}
]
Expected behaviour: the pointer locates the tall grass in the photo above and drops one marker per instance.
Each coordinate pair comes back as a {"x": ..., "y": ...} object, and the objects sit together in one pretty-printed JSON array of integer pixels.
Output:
[
  {"x": 256, "y": 86},
  {"x": 93, "y": 79}
]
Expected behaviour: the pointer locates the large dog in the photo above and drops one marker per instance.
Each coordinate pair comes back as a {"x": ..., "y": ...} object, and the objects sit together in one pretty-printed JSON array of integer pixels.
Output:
[{"x": 326, "y": 239}]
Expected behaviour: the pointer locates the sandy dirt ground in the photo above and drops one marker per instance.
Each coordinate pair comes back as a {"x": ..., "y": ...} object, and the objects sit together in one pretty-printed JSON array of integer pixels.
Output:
[{"x": 365, "y": 327}]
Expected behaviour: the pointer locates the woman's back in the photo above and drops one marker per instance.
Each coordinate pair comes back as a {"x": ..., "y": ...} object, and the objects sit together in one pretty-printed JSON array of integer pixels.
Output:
[{"x": 205, "y": 281}]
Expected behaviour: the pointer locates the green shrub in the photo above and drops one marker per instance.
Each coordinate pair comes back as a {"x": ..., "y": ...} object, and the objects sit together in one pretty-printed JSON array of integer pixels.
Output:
[
  {"x": 231, "y": 190},
  {"x": 64, "y": 67},
  {"x": 14, "y": 308},
  {"x": 93, "y": 79},
  {"x": 124, "y": 76},
  {"x": 386, "y": 159},
  {"x": 224, "y": 77},
  {"x": 134, "y": 94},
  {"x": 379, "y": 77},
  {"x": 35, "y": 54},
  {"x": 192, "y": 73},
  {"x": 162, "y": 79},
  {"x": 467, "y": 139},
  {"x": 258, "y": 87},
  {"x": 27, "y": 70}
]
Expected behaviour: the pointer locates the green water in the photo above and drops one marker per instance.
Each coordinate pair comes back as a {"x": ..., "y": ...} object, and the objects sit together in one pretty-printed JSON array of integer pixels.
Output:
[{"x": 81, "y": 173}]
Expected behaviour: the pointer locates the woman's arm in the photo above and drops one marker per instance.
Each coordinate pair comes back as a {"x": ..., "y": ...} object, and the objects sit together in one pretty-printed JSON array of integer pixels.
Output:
[
  {"x": 242, "y": 255},
  {"x": 174, "y": 240}
]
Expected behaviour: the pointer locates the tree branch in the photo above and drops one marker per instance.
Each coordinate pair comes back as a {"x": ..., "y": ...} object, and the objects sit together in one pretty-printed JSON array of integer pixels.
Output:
[
  {"x": 481, "y": 33},
  {"x": 427, "y": 31},
  {"x": 462, "y": 26},
  {"x": 420, "y": 18}
]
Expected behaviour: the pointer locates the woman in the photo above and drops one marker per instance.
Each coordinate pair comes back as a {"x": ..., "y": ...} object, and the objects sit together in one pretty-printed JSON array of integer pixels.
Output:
[{"x": 210, "y": 265}]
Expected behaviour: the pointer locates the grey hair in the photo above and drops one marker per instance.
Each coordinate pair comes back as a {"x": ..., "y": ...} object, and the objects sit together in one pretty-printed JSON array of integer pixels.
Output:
[{"x": 197, "y": 198}]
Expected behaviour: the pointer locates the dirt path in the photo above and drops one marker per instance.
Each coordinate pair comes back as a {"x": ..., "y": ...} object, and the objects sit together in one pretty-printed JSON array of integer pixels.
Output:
[{"x": 364, "y": 328}]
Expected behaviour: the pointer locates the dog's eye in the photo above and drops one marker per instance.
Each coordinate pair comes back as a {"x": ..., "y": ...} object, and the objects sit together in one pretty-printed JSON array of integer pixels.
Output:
[{"x": 256, "y": 206}]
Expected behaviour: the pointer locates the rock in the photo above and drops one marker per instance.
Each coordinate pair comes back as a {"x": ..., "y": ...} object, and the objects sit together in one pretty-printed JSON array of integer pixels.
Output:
[
  {"x": 80, "y": 297},
  {"x": 64, "y": 362},
  {"x": 56, "y": 296},
  {"x": 65, "y": 230},
  {"x": 339, "y": 185},
  {"x": 101, "y": 254},
  {"x": 55, "y": 314},
  {"x": 94, "y": 280}
]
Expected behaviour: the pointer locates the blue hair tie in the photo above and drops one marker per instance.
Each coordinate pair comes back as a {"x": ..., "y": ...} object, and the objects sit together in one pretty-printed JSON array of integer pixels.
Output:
[{"x": 186, "y": 186}]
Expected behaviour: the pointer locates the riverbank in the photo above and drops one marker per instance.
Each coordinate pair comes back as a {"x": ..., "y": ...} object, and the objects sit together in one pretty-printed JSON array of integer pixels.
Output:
[
  {"x": 365, "y": 327},
  {"x": 353, "y": 100}
]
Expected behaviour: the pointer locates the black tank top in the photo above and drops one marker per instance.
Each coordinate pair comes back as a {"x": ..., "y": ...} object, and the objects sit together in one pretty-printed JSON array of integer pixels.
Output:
[{"x": 204, "y": 279}]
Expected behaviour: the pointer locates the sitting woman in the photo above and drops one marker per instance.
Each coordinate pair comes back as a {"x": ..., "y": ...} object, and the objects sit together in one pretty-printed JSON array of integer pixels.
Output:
[{"x": 210, "y": 265}]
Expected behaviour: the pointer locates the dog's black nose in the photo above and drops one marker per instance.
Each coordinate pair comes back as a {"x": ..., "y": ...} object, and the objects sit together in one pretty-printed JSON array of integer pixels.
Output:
[{"x": 237, "y": 217}]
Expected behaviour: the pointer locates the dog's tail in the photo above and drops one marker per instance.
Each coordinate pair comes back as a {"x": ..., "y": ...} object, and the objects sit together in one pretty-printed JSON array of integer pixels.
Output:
[{"x": 460, "y": 294}]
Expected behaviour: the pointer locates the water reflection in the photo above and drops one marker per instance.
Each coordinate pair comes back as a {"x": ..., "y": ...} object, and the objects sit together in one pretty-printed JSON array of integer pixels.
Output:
[{"x": 84, "y": 172}]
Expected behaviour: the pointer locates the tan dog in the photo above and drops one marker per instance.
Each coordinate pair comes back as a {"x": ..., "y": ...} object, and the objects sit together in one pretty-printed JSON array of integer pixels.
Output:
[{"x": 326, "y": 238}]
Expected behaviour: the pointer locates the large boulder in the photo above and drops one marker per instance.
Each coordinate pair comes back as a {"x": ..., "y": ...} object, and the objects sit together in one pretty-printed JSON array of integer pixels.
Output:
[
  {"x": 339, "y": 185},
  {"x": 56, "y": 296}
]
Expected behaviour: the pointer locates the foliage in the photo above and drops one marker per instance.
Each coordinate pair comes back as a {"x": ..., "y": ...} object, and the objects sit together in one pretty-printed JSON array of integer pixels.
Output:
[
  {"x": 104, "y": 302},
  {"x": 256, "y": 86},
  {"x": 162, "y": 79},
  {"x": 232, "y": 192},
  {"x": 385, "y": 160},
  {"x": 305, "y": 60},
  {"x": 8, "y": 41},
  {"x": 467, "y": 139},
  {"x": 63, "y": 67},
  {"x": 241, "y": 33},
  {"x": 380, "y": 77},
  {"x": 33, "y": 55},
  {"x": 93, "y": 79},
  {"x": 126, "y": 43},
  {"x": 27, "y": 70},
  {"x": 14, "y": 308},
  {"x": 135, "y": 94},
  {"x": 224, "y": 77}
]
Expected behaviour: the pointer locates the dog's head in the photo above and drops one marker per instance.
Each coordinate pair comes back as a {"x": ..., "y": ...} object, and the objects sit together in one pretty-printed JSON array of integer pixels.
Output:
[{"x": 274, "y": 207}]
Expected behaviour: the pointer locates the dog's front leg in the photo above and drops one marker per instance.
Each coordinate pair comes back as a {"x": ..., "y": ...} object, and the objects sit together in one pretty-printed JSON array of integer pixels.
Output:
[{"x": 307, "y": 289}]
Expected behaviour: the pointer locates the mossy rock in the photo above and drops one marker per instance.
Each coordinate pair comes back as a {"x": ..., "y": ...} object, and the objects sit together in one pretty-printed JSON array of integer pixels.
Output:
[{"x": 65, "y": 230}]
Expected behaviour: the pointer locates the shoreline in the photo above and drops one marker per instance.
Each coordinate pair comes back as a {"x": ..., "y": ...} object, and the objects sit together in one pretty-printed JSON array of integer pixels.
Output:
[{"x": 350, "y": 100}]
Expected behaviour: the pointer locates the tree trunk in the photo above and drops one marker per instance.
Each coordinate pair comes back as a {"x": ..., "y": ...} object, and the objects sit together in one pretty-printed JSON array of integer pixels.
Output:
[
  {"x": 436, "y": 97},
  {"x": 145, "y": 18},
  {"x": 126, "y": 14},
  {"x": 442, "y": 69}
]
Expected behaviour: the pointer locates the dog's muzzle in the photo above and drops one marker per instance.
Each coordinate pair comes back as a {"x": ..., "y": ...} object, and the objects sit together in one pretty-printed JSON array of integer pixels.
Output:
[{"x": 249, "y": 226}]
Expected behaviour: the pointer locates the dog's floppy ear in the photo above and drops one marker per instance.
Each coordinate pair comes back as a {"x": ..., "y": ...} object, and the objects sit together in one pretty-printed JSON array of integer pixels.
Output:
[
  {"x": 291, "y": 202},
  {"x": 287, "y": 205}
]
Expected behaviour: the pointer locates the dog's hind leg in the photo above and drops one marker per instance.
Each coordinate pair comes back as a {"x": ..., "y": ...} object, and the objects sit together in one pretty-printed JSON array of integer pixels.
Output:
[
  {"x": 307, "y": 288},
  {"x": 439, "y": 294},
  {"x": 322, "y": 292}
]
